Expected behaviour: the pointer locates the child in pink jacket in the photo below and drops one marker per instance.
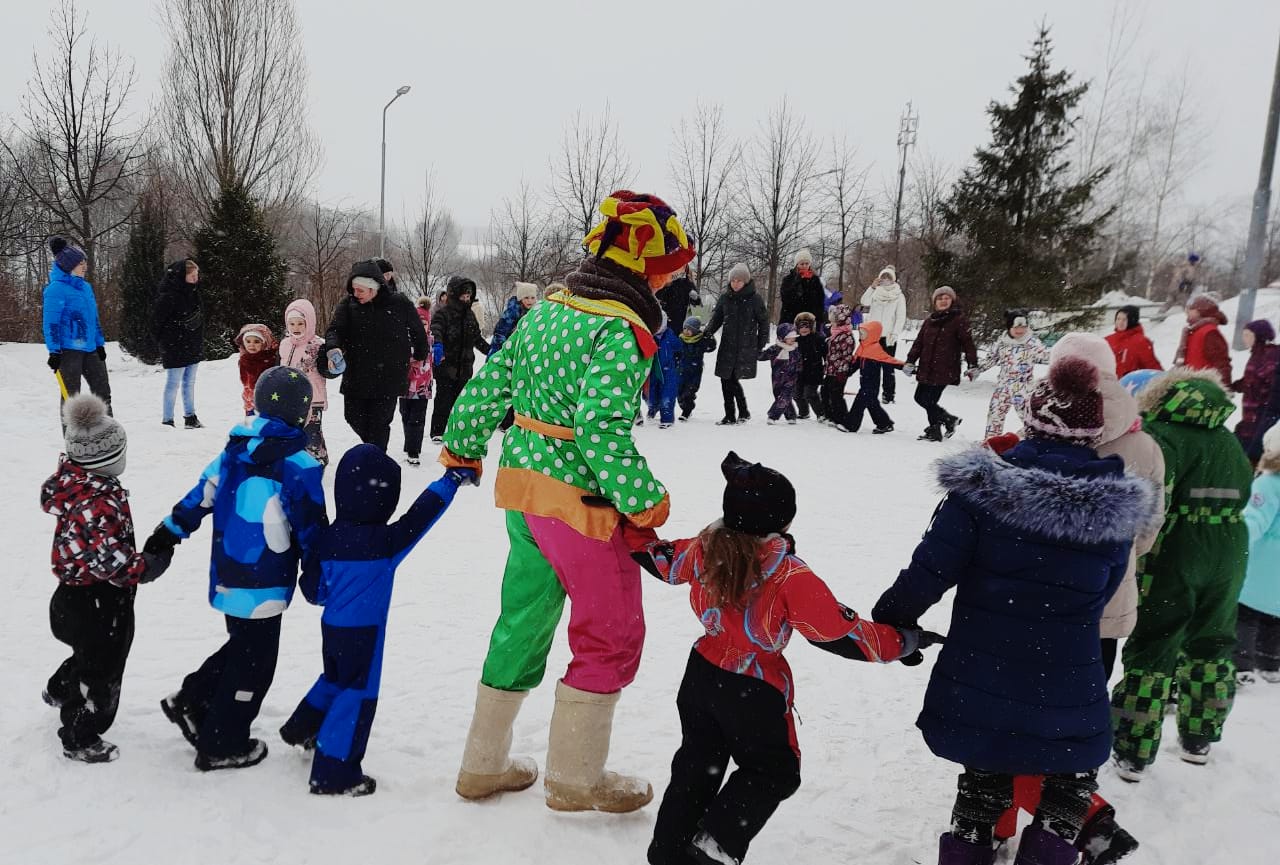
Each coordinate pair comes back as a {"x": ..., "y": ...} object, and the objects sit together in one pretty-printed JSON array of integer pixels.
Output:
[{"x": 299, "y": 349}]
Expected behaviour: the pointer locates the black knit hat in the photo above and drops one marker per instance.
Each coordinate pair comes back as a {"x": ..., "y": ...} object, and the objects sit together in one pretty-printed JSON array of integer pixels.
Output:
[
  {"x": 1130, "y": 316},
  {"x": 285, "y": 393},
  {"x": 757, "y": 500}
]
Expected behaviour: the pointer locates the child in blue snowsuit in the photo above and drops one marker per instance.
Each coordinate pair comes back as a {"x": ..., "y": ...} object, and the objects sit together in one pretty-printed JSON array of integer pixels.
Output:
[
  {"x": 264, "y": 493},
  {"x": 694, "y": 347},
  {"x": 664, "y": 381},
  {"x": 350, "y": 572}
]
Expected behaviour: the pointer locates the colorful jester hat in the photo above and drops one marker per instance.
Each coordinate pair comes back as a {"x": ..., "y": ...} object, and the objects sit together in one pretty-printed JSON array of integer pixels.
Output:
[{"x": 641, "y": 233}]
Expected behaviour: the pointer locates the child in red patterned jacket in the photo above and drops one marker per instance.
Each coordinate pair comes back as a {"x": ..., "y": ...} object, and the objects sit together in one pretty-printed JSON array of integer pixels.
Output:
[
  {"x": 750, "y": 591},
  {"x": 98, "y": 567}
]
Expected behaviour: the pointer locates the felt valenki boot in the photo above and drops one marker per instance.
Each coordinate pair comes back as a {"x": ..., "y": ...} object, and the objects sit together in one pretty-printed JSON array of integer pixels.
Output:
[
  {"x": 487, "y": 765},
  {"x": 1039, "y": 846},
  {"x": 957, "y": 851},
  {"x": 578, "y": 748}
]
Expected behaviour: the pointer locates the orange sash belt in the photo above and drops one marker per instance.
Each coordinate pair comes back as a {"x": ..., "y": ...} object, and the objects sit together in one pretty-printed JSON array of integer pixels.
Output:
[{"x": 549, "y": 430}]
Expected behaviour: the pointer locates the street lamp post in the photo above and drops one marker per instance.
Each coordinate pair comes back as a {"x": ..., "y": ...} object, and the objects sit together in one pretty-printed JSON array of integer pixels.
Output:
[
  {"x": 1261, "y": 206},
  {"x": 382, "y": 202}
]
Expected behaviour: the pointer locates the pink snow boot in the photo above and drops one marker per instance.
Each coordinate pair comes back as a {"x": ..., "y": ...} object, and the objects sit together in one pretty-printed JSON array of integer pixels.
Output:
[
  {"x": 957, "y": 851},
  {"x": 1039, "y": 846}
]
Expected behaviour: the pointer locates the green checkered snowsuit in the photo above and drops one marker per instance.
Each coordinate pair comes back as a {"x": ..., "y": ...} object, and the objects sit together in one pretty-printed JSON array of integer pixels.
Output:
[{"x": 1190, "y": 580}]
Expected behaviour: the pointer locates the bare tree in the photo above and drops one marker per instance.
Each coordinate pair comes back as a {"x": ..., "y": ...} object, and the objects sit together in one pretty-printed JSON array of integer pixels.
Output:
[
  {"x": 235, "y": 96},
  {"x": 430, "y": 244},
  {"x": 1176, "y": 151},
  {"x": 703, "y": 160},
  {"x": 321, "y": 248},
  {"x": 775, "y": 177},
  {"x": 1095, "y": 141},
  {"x": 591, "y": 164},
  {"x": 843, "y": 186},
  {"x": 75, "y": 158},
  {"x": 527, "y": 242}
]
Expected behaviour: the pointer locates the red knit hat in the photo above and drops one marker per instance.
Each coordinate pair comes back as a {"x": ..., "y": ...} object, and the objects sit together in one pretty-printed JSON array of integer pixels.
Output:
[
  {"x": 1207, "y": 306},
  {"x": 1067, "y": 405}
]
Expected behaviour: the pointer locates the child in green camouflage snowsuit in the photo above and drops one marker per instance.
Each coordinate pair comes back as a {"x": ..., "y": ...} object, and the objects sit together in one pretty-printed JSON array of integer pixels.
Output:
[{"x": 1190, "y": 580}]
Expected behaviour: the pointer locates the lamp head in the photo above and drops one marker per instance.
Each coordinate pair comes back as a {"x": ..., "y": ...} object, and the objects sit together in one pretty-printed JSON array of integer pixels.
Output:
[{"x": 401, "y": 91}]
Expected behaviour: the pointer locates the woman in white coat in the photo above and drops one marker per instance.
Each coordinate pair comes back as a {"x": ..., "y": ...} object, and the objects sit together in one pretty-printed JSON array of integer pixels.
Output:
[{"x": 885, "y": 303}]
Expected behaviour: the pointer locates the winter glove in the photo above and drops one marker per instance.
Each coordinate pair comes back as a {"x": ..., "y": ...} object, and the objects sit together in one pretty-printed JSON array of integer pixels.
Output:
[
  {"x": 162, "y": 541},
  {"x": 636, "y": 538},
  {"x": 337, "y": 363},
  {"x": 450, "y": 460},
  {"x": 55, "y": 360},
  {"x": 462, "y": 477},
  {"x": 972, "y": 373},
  {"x": 913, "y": 640},
  {"x": 908, "y": 369},
  {"x": 102, "y": 352},
  {"x": 647, "y": 558},
  {"x": 157, "y": 564},
  {"x": 437, "y": 354}
]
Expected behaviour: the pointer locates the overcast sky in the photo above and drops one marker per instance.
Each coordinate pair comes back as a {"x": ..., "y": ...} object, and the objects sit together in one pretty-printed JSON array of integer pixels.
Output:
[{"x": 494, "y": 83}]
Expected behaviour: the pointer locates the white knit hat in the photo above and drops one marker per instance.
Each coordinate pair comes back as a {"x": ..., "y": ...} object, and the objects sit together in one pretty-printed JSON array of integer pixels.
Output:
[
  {"x": 804, "y": 256},
  {"x": 1271, "y": 441},
  {"x": 526, "y": 290},
  {"x": 95, "y": 440},
  {"x": 740, "y": 271}
]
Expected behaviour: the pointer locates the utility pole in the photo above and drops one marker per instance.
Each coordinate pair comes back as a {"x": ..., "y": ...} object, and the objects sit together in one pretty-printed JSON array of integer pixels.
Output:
[
  {"x": 906, "y": 140},
  {"x": 1261, "y": 206}
]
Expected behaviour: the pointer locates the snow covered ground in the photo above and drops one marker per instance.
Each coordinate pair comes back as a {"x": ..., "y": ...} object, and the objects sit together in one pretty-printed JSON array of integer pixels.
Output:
[{"x": 872, "y": 792}]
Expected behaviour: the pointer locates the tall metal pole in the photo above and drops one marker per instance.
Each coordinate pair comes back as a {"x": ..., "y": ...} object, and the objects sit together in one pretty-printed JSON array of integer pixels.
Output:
[
  {"x": 1252, "y": 274},
  {"x": 382, "y": 199},
  {"x": 906, "y": 138}
]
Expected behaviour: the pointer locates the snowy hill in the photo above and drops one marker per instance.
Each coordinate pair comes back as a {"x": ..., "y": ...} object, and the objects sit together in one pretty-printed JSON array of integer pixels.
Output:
[{"x": 871, "y": 791}]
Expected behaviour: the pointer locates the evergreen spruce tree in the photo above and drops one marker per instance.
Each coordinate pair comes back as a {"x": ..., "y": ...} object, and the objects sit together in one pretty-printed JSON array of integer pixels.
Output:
[
  {"x": 1020, "y": 230},
  {"x": 241, "y": 276},
  {"x": 140, "y": 282}
]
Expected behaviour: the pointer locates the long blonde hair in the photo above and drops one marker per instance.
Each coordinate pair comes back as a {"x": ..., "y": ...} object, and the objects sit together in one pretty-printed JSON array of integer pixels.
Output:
[{"x": 730, "y": 565}]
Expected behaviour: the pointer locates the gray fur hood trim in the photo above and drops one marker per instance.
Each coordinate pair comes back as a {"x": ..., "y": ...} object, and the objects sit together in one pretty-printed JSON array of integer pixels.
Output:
[{"x": 1075, "y": 509}]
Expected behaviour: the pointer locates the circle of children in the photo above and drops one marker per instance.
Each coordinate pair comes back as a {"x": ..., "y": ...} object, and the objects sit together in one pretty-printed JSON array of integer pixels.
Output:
[{"x": 1124, "y": 510}]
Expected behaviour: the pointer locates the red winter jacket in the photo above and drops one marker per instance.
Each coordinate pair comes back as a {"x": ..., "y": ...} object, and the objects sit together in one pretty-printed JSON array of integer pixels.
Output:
[
  {"x": 1204, "y": 347},
  {"x": 93, "y": 541},
  {"x": 1133, "y": 351}
]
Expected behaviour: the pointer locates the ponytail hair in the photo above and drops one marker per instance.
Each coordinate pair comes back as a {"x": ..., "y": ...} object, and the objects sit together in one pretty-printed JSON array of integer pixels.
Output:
[{"x": 730, "y": 565}]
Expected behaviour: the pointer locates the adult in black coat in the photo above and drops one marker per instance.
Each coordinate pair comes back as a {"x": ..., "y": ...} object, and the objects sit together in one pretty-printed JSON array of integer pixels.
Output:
[
  {"x": 740, "y": 311},
  {"x": 676, "y": 299},
  {"x": 457, "y": 339},
  {"x": 177, "y": 322},
  {"x": 802, "y": 291},
  {"x": 376, "y": 329}
]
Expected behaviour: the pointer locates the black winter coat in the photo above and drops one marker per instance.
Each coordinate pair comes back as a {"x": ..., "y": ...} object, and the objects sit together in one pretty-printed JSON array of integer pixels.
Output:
[
  {"x": 813, "y": 357},
  {"x": 177, "y": 320},
  {"x": 376, "y": 338},
  {"x": 675, "y": 301},
  {"x": 456, "y": 329},
  {"x": 943, "y": 337},
  {"x": 801, "y": 295},
  {"x": 746, "y": 331}
]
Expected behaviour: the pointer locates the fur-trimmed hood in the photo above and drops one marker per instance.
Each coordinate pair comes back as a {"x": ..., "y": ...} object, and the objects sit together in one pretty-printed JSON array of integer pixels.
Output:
[
  {"x": 1201, "y": 398},
  {"x": 1062, "y": 492}
]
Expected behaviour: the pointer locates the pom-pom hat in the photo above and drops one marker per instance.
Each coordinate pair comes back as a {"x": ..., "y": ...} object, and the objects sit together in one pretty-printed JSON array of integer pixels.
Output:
[
  {"x": 95, "y": 441},
  {"x": 757, "y": 500},
  {"x": 1067, "y": 406},
  {"x": 67, "y": 255}
]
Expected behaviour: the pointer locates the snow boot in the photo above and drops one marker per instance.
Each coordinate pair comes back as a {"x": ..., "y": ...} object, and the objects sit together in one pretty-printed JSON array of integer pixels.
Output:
[
  {"x": 743, "y": 417},
  {"x": 179, "y": 711},
  {"x": 950, "y": 424},
  {"x": 1195, "y": 749},
  {"x": 1245, "y": 677},
  {"x": 487, "y": 765},
  {"x": 1129, "y": 770},
  {"x": 192, "y": 422},
  {"x": 726, "y": 421},
  {"x": 931, "y": 434},
  {"x": 957, "y": 851},
  {"x": 1271, "y": 677},
  {"x": 294, "y": 735},
  {"x": 881, "y": 430},
  {"x": 1039, "y": 846},
  {"x": 413, "y": 461},
  {"x": 256, "y": 753},
  {"x": 705, "y": 850},
  {"x": 576, "y": 753},
  {"x": 50, "y": 700},
  {"x": 364, "y": 787},
  {"x": 100, "y": 751},
  {"x": 1102, "y": 841},
  {"x": 665, "y": 425},
  {"x": 167, "y": 423}
]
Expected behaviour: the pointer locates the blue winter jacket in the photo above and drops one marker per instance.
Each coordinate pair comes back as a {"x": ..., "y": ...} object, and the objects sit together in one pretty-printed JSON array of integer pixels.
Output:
[
  {"x": 1262, "y": 515},
  {"x": 1035, "y": 543},
  {"x": 691, "y": 356},
  {"x": 511, "y": 315},
  {"x": 352, "y": 564},
  {"x": 70, "y": 313},
  {"x": 267, "y": 503}
]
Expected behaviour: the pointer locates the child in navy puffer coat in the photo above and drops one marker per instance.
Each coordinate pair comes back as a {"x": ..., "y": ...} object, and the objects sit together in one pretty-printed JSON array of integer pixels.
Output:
[
  {"x": 690, "y": 356},
  {"x": 350, "y": 571}
]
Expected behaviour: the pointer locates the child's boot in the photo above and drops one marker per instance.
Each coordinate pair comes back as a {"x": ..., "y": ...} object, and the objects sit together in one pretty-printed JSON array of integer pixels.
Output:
[
  {"x": 705, "y": 850},
  {"x": 487, "y": 765},
  {"x": 252, "y": 756},
  {"x": 100, "y": 751},
  {"x": 579, "y": 745},
  {"x": 1102, "y": 841},
  {"x": 931, "y": 434},
  {"x": 957, "y": 851},
  {"x": 366, "y": 786},
  {"x": 1039, "y": 846},
  {"x": 180, "y": 711}
]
